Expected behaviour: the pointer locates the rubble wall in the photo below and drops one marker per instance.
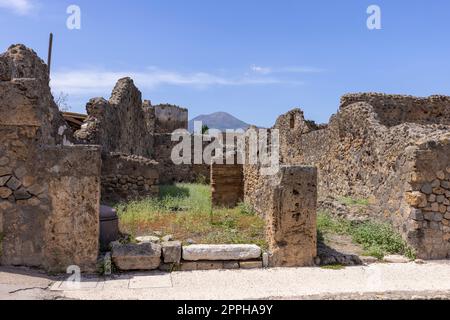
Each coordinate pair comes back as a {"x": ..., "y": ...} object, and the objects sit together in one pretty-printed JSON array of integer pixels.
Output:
[
  {"x": 49, "y": 198},
  {"x": 127, "y": 178},
  {"x": 370, "y": 150},
  {"x": 121, "y": 124}
]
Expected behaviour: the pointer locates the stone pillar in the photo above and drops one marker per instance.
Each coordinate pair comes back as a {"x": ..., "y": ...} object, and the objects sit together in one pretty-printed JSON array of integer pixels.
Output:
[{"x": 291, "y": 216}]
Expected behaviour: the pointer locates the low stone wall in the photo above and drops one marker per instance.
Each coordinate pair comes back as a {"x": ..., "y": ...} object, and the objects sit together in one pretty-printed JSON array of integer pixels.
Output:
[
  {"x": 288, "y": 201},
  {"x": 126, "y": 178},
  {"x": 227, "y": 186},
  {"x": 172, "y": 256}
]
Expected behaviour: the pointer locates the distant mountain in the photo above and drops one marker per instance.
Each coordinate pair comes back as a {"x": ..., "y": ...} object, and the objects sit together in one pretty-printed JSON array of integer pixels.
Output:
[{"x": 220, "y": 121}]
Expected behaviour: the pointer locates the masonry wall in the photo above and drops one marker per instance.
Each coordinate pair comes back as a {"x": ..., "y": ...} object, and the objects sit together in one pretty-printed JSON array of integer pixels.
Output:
[
  {"x": 428, "y": 199},
  {"x": 49, "y": 198},
  {"x": 173, "y": 173},
  {"x": 370, "y": 149},
  {"x": 121, "y": 124},
  {"x": 392, "y": 110},
  {"x": 169, "y": 118},
  {"x": 227, "y": 186},
  {"x": 127, "y": 178}
]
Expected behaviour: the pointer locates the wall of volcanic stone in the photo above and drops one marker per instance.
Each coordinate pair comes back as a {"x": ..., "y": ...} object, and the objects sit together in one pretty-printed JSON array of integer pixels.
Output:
[
  {"x": 371, "y": 151},
  {"x": 121, "y": 124},
  {"x": 169, "y": 118},
  {"x": 49, "y": 197},
  {"x": 429, "y": 197},
  {"x": 127, "y": 178},
  {"x": 174, "y": 173}
]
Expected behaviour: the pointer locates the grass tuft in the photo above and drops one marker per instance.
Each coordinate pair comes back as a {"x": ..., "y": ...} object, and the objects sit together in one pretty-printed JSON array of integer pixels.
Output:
[
  {"x": 354, "y": 202},
  {"x": 333, "y": 267},
  {"x": 377, "y": 239}
]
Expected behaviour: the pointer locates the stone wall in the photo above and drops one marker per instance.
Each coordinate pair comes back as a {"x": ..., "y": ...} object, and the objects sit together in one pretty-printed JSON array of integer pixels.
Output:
[
  {"x": 169, "y": 118},
  {"x": 288, "y": 201},
  {"x": 227, "y": 186},
  {"x": 127, "y": 178},
  {"x": 172, "y": 173},
  {"x": 428, "y": 199},
  {"x": 121, "y": 124},
  {"x": 126, "y": 125},
  {"x": 49, "y": 198},
  {"x": 372, "y": 151},
  {"x": 392, "y": 110}
]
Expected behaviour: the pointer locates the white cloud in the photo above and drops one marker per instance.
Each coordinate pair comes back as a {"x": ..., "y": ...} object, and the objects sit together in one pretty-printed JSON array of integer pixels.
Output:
[
  {"x": 21, "y": 7},
  {"x": 262, "y": 70},
  {"x": 92, "y": 81},
  {"x": 269, "y": 70}
]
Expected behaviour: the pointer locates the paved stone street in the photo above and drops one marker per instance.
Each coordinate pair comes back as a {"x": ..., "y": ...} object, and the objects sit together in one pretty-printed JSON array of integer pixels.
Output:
[{"x": 377, "y": 281}]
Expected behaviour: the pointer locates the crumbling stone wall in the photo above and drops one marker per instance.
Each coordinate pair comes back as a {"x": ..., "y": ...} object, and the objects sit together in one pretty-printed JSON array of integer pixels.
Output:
[
  {"x": 372, "y": 149},
  {"x": 128, "y": 178},
  {"x": 122, "y": 124},
  {"x": 126, "y": 125},
  {"x": 49, "y": 198},
  {"x": 169, "y": 118},
  {"x": 392, "y": 110}
]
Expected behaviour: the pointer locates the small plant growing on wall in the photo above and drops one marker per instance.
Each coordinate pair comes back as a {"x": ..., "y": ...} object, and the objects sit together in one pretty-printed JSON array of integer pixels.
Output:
[{"x": 205, "y": 129}]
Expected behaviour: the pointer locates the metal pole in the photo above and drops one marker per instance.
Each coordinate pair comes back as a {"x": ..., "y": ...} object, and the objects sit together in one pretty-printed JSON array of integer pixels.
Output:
[{"x": 50, "y": 48}]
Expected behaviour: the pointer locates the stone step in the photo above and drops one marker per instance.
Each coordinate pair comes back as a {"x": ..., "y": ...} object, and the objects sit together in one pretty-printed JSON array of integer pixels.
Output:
[{"x": 237, "y": 252}]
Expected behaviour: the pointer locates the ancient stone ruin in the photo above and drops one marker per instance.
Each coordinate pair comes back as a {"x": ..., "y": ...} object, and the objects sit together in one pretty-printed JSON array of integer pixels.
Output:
[
  {"x": 49, "y": 198},
  {"x": 393, "y": 150}
]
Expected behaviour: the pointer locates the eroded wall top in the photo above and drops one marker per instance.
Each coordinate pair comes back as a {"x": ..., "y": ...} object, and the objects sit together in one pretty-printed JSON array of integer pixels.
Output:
[
  {"x": 121, "y": 124},
  {"x": 26, "y": 96},
  {"x": 170, "y": 118},
  {"x": 392, "y": 110}
]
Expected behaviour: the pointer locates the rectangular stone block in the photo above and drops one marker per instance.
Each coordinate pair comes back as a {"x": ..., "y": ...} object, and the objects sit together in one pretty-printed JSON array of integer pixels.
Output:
[
  {"x": 231, "y": 265},
  {"x": 221, "y": 252},
  {"x": 251, "y": 264},
  {"x": 144, "y": 256},
  {"x": 188, "y": 266},
  {"x": 209, "y": 265},
  {"x": 171, "y": 251}
]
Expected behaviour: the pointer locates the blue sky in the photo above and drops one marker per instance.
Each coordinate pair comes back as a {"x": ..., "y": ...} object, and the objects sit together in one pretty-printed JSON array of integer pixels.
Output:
[{"x": 255, "y": 59}]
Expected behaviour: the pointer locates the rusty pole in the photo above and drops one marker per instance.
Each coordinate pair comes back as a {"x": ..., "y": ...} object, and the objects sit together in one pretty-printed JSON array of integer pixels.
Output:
[{"x": 50, "y": 48}]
